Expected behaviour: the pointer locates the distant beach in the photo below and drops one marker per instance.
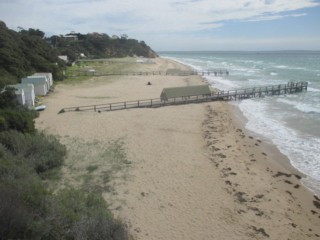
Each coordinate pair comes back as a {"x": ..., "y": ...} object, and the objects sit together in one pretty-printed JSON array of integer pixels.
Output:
[{"x": 183, "y": 172}]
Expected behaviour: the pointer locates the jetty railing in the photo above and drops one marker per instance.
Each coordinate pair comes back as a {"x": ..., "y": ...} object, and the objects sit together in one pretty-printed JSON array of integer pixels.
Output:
[
  {"x": 215, "y": 72},
  {"x": 231, "y": 95}
]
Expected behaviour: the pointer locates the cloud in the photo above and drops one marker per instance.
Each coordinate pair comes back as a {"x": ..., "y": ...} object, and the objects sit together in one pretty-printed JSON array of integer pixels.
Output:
[
  {"x": 274, "y": 17},
  {"x": 140, "y": 17}
]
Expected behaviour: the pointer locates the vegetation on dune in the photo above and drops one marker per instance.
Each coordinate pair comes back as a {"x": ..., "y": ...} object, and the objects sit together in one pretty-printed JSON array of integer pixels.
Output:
[
  {"x": 14, "y": 116},
  {"x": 28, "y": 209}
]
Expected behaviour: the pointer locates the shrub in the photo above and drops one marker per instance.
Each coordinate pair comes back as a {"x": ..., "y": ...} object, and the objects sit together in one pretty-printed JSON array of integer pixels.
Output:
[
  {"x": 8, "y": 98},
  {"x": 80, "y": 215},
  {"x": 29, "y": 211},
  {"x": 42, "y": 152},
  {"x": 19, "y": 119},
  {"x": 14, "y": 215},
  {"x": 22, "y": 200}
]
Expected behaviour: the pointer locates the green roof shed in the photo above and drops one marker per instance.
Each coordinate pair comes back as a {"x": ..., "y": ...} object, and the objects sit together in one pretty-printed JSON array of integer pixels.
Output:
[{"x": 187, "y": 91}]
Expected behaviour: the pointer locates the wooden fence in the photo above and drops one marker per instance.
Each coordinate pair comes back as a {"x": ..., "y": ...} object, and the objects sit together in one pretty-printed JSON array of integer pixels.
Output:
[{"x": 254, "y": 92}]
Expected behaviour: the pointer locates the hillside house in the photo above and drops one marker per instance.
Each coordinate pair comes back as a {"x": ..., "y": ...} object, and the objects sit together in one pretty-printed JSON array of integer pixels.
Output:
[
  {"x": 188, "y": 91},
  {"x": 70, "y": 37},
  {"x": 64, "y": 58}
]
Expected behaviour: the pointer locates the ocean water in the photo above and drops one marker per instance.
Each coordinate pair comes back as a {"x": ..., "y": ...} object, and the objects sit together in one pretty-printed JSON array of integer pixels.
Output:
[{"x": 291, "y": 122}]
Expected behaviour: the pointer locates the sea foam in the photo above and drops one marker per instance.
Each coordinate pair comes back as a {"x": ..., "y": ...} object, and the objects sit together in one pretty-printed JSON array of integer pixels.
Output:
[{"x": 303, "y": 151}]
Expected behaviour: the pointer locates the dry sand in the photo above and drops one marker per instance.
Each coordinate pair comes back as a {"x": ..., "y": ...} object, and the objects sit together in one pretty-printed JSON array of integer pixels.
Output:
[{"x": 178, "y": 172}]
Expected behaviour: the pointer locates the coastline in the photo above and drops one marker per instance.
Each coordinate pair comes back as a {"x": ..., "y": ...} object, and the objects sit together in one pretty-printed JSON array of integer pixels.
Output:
[
  {"x": 283, "y": 160},
  {"x": 196, "y": 173}
]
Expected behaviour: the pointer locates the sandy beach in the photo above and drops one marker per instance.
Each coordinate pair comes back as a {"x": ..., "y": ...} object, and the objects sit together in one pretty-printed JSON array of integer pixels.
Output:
[{"x": 177, "y": 172}]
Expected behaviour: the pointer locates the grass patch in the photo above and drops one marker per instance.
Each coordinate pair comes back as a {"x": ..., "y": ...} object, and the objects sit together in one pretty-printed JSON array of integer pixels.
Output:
[
  {"x": 80, "y": 72},
  {"x": 96, "y": 163},
  {"x": 92, "y": 168}
]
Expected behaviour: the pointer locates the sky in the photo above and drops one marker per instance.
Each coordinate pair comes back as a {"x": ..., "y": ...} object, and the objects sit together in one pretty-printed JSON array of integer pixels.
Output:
[{"x": 178, "y": 25}]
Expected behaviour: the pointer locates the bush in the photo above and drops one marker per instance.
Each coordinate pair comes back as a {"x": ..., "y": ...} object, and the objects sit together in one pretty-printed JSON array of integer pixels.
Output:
[
  {"x": 8, "y": 98},
  {"x": 86, "y": 216},
  {"x": 42, "y": 152},
  {"x": 22, "y": 200},
  {"x": 14, "y": 215},
  {"x": 29, "y": 211},
  {"x": 19, "y": 119}
]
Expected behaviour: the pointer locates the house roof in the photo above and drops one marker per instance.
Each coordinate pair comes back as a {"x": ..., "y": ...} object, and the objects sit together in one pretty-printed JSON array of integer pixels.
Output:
[
  {"x": 24, "y": 86},
  {"x": 19, "y": 91},
  {"x": 186, "y": 91},
  {"x": 48, "y": 74},
  {"x": 35, "y": 80}
]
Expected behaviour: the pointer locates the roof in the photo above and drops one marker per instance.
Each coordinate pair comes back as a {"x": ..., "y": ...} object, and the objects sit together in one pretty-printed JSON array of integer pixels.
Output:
[
  {"x": 24, "y": 86},
  {"x": 186, "y": 91},
  {"x": 48, "y": 74},
  {"x": 19, "y": 91},
  {"x": 35, "y": 80}
]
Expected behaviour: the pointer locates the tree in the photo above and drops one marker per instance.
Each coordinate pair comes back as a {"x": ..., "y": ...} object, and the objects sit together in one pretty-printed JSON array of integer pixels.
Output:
[
  {"x": 8, "y": 98},
  {"x": 124, "y": 36}
]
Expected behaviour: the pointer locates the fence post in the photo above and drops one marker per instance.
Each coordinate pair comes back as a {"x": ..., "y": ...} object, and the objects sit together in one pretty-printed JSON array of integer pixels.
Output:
[{"x": 285, "y": 89}]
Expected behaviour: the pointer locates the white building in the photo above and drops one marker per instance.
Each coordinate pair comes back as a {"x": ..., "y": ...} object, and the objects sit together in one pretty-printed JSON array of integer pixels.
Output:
[
  {"x": 29, "y": 95},
  {"x": 48, "y": 75},
  {"x": 20, "y": 96},
  {"x": 64, "y": 58},
  {"x": 40, "y": 83}
]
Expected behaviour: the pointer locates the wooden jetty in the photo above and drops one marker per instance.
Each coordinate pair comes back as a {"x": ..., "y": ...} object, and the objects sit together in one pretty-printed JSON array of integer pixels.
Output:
[
  {"x": 232, "y": 95},
  {"x": 214, "y": 72}
]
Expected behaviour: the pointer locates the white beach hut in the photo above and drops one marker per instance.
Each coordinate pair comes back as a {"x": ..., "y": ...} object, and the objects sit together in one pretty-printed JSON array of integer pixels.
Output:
[
  {"x": 40, "y": 83},
  {"x": 20, "y": 96},
  {"x": 29, "y": 94},
  {"x": 47, "y": 74}
]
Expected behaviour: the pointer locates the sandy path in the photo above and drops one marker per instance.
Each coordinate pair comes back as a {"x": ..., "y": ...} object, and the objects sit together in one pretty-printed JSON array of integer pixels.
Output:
[{"x": 189, "y": 172}]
